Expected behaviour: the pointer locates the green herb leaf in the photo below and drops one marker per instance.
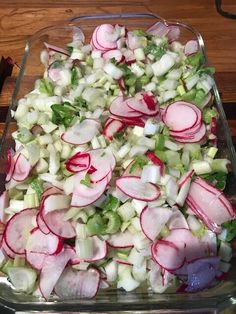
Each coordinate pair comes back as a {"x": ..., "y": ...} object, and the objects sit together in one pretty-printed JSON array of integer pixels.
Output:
[
  {"x": 139, "y": 162},
  {"x": 86, "y": 181},
  {"x": 206, "y": 70},
  {"x": 111, "y": 203},
  {"x": 140, "y": 32},
  {"x": 80, "y": 102},
  {"x": 195, "y": 60},
  {"x": 157, "y": 51},
  {"x": 231, "y": 229},
  {"x": 70, "y": 49},
  {"x": 74, "y": 77},
  {"x": 218, "y": 179},
  {"x": 63, "y": 113},
  {"x": 46, "y": 87},
  {"x": 37, "y": 185}
]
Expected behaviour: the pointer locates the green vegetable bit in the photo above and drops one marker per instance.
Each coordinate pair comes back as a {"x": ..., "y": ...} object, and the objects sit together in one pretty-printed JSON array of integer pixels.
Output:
[
  {"x": 156, "y": 51},
  {"x": 114, "y": 222},
  {"x": 139, "y": 162},
  {"x": 231, "y": 229},
  {"x": 64, "y": 113},
  {"x": 218, "y": 179},
  {"x": 46, "y": 87},
  {"x": 86, "y": 181},
  {"x": 208, "y": 114},
  {"x": 74, "y": 77},
  {"x": 37, "y": 185},
  {"x": 111, "y": 203}
]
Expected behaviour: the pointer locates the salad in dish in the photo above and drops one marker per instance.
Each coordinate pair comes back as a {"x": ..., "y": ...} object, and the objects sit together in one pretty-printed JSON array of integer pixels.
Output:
[{"x": 115, "y": 179}]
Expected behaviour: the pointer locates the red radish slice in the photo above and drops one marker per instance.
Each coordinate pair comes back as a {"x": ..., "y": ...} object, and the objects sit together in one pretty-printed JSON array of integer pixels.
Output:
[
  {"x": 141, "y": 106},
  {"x": 167, "y": 255},
  {"x": 197, "y": 137},
  {"x": 56, "y": 49},
  {"x": 102, "y": 35},
  {"x": 177, "y": 220},
  {"x": 10, "y": 164},
  {"x": 83, "y": 195},
  {"x": 185, "y": 177},
  {"x": 158, "y": 29},
  {"x": 131, "y": 121},
  {"x": 149, "y": 101},
  {"x": 38, "y": 242},
  {"x": 18, "y": 229},
  {"x": 174, "y": 33},
  {"x": 99, "y": 249},
  {"x": 180, "y": 116},
  {"x": 119, "y": 108},
  {"x": 55, "y": 202},
  {"x": 78, "y": 162},
  {"x": 52, "y": 270},
  {"x": 133, "y": 41},
  {"x": 121, "y": 239},
  {"x": 135, "y": 188},
  {"x": 104, "y": 161},
  {"x": 113, "y": 127},
  {"x": 113, "y": 54},
  {"x": 186, "y": 242},
  {"x": 22, "y": 168},
  {"x": 74, "y": 284},
  {"x": 153, "y": 219},
  {"x": 191, "y": 47},
  {"x": 82, "y": 132},
  {"x": 78, "y": 34},
  {"x": 36, "y": 260},
  {"x": 51, "y": 190},
  {"x": 7, "y": 250},
  {"x": 4, "y": 203},
  {"x": 157, "y": 161},
  {"x": 209, "y": 204},
  {"x": 58, "y": 225}
]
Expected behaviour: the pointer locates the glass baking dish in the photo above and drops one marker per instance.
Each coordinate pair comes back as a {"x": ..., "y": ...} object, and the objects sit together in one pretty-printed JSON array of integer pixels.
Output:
[{"x": 213, "y": 300}]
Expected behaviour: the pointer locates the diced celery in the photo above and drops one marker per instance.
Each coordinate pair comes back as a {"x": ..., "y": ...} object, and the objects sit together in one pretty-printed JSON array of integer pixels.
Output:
[
  {"x": 201, "y": 167},
  {"x": 220, "y": 165},
  {"x": 173, "y": 158},
  {"x": 126, "y": 211}
]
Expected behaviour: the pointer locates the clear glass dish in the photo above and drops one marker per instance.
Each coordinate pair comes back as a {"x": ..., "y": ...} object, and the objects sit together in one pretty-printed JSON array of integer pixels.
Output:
[{"x": 213, "y": 300}]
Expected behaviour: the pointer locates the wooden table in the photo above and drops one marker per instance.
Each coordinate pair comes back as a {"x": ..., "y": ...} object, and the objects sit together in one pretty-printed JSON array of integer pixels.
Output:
[{"x": 21, "y": 18}]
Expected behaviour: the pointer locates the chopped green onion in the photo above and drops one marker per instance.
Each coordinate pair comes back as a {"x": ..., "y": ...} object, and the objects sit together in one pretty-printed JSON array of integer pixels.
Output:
[
  {"x": 111, "y": 203},
  {"x": 46, "y": 87},
  {"x": 86, "y": 181},
  {"x": 113, "y": 223}
]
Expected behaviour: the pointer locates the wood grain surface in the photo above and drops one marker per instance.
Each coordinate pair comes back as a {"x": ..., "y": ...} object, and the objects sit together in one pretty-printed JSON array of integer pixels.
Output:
[{"x": 19, "y": 19}]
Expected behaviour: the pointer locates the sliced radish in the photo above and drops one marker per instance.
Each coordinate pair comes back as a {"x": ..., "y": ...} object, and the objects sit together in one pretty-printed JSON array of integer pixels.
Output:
[
  {"x": 177, "y": 220},
  {"x": 153, "y": 219},
  {"x": 78, "y": 162},
  {"x": 167, "y": 255},
  {"x": 84, "y": 195},
  {"x": 22, "y": 168},
  {"x": 78, "y": 34},
  {"x": 174, "y": 33},
  {"x": 113, "y": 54},
  {"x": 185, "y": 177},
  {"x": 74, "y": 284},
  {"x": 187, "y": 112},
  {"x": 58, "y": 225},
  {"x": 187, "y": 243},
  {"x": 197, "y": 137},
  {"x": 157, "y": 161},
  {"x": 51, "y": 190},
  {"x": 7, "y": 250},
  {"x": 18, "y": 229},
  {"x": 121, "y": 239},
  {"x": 82, "y": 132},
  {"x": 139, "y": 105},
  {"x": 119, "y": 108},
  {"x": 4, "y": 203},
  {"x": 56, "y": 49},
  {"x": 191, "y": 47},
  {"x": 99, "y": 249},
  {"x": 135, "y": 188},
  {"x": 102, "y": 36},
  {"x": 36, "y": 260},
  {"x": 38, "y": 242},
  {"x": 103, "y": 160},
  {"x": 52, "y": 270},
  {"x": 55, "y": 202},
  {"x": 158, "y": 29},
  {"x": 113, "y": 127},
  {"x": 10, "y": 164},
  {"x": 209, "y": 204}
]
